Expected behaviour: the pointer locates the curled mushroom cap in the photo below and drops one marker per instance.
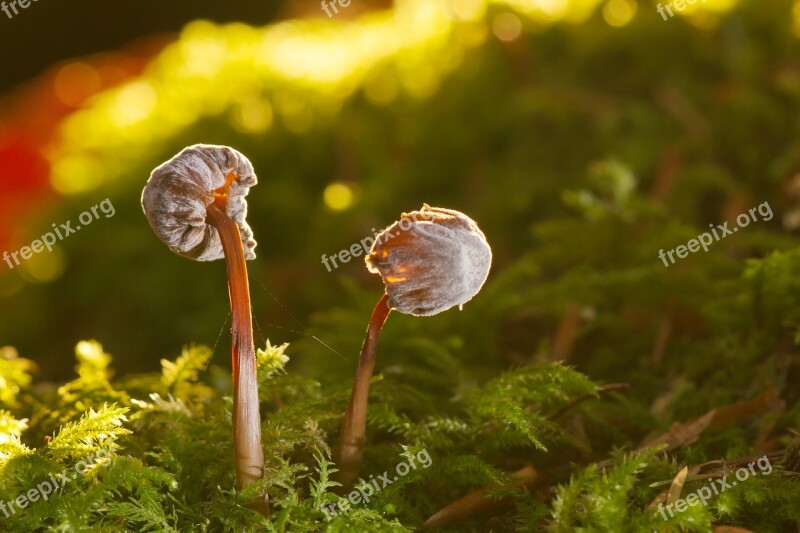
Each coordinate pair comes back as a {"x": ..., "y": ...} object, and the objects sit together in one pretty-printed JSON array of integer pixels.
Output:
[
  {"x": 178, "y": 193},
  {"x": 431, "y": 260}
]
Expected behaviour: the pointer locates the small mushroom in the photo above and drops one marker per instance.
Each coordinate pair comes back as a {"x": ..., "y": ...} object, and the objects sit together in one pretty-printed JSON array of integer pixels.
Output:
[
  {"x": 195, "y": 203},
  {"x": 430, "y": 260}
]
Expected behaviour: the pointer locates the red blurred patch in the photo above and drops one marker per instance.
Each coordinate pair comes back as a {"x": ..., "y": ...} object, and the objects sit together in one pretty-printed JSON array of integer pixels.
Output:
[
  {"x": 23, "y": 177},
  {"x": 24, "y": 171}
]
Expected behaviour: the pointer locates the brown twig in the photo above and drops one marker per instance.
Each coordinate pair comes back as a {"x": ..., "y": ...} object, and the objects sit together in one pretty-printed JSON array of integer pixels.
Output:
[
  {"x": 583, "y": 397},
  {"x": 564, "y": 339}
]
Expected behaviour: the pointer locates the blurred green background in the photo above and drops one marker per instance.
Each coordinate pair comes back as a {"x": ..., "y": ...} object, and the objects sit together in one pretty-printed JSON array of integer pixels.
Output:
[{"x": 493, "y": 108}]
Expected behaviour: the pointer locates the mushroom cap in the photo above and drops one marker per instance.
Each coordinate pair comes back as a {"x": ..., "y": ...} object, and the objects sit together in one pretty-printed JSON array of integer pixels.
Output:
[
  {"x": 179, "y": 191},
  {"x": 431, "y": 260}
]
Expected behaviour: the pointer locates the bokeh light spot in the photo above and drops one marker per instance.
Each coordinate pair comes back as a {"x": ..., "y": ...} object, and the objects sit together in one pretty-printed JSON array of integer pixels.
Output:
[
  {"x": 252, "y": 116},
  {"x": 133, "y": 103},
  {"x": 507, "y": 27},
  {"x": 618, "y": 13},
  {"x": 75, "y": 82},
  {"x": 44, "y": 266},
  {"x": 338, "y": 196}
]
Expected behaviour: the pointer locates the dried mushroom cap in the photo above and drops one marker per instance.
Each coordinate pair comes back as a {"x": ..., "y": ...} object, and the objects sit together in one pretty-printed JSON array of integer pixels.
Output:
[
  {"x": 431, "y": 260},
  {"x": 179, "y": 192}
]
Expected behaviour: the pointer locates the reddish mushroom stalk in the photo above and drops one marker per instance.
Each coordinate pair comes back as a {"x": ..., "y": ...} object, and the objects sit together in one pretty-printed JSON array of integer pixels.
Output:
[
  {"x": 248, "y": 453},
  {"x": 355, "y": 421},
  {"x": 195, "y": 203}
]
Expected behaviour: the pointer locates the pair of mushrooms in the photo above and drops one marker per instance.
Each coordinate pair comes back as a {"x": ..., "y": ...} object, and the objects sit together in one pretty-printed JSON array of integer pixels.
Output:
[{"x": 430, "y": 260}]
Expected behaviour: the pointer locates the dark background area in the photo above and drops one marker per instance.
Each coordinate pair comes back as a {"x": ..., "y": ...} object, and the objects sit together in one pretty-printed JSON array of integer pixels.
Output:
[{"x": 49, "y": 31}]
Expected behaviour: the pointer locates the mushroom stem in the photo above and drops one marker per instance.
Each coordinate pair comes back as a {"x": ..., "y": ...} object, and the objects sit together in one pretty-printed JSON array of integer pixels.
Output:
[
  {"x": 354, "y": 427},
  {"x": 249, "y": 456}
]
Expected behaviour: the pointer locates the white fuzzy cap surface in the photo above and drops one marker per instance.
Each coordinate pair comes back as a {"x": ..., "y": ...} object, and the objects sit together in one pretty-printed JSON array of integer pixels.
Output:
[
  {"x": 431, "y": 260},
  {"x": 179, "y": 191}
]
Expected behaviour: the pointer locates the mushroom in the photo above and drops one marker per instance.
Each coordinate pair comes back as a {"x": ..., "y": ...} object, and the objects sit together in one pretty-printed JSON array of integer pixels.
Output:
[
  {"x": 195, "y": 203},
  {"x": 430, "y": 260}
]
